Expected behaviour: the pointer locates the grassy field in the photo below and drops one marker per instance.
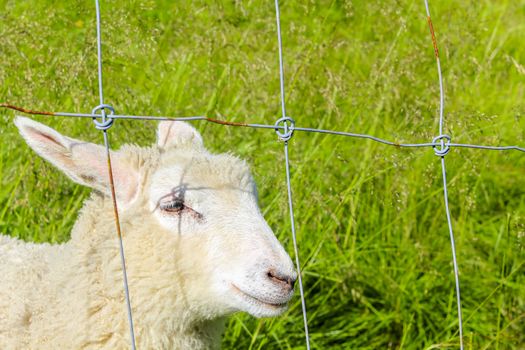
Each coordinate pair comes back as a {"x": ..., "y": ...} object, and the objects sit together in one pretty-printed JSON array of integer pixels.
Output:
[{"x": 371, "y": 223}]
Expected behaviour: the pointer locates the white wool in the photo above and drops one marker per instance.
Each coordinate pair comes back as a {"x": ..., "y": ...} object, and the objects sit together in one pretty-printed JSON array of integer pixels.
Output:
[{"x": 186, "y": 272}]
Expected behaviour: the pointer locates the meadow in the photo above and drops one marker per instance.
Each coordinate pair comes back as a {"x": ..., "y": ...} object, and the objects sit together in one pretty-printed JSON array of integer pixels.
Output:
[{"x": 370, "y": 218}]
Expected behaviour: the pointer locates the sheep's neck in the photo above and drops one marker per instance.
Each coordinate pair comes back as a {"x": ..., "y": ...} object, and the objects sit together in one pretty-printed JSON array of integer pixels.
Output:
[
  {"x": 158, "y": 302},
  {"x": 204, "y": 335}
]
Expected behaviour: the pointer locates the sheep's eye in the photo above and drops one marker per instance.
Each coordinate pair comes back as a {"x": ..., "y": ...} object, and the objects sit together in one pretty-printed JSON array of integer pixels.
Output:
[{"x": 173, "y": 206}]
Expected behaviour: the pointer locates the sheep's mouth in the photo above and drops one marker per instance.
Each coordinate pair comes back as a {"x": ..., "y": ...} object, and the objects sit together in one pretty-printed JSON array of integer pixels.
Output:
[{"x": 255, "y": 300}]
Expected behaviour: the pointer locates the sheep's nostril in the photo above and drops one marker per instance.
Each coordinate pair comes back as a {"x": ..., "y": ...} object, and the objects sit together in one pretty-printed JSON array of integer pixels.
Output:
[
  {"x": 281, "y": 279},
  {"x": 291, "y": 281}
]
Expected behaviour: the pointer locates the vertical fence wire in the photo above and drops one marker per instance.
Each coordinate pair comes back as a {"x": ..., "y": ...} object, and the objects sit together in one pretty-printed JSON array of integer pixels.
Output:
[
  {"x": 442, "y": 151},
  {"x": 453, "y": 247},
  {"x": 104, "y": 126},
  {"x": 288, "y": 131},
  {"x": 99, "y": 55}
]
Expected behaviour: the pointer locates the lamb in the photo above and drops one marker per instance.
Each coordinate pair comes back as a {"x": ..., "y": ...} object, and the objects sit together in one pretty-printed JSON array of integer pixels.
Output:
[{"x": 197, "y": 250}]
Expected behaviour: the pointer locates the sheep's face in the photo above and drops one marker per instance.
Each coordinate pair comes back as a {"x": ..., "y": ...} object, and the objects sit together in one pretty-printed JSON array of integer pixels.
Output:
[
  {"x": 202, "y": 208},
  {"x": 207, "y": 205}
]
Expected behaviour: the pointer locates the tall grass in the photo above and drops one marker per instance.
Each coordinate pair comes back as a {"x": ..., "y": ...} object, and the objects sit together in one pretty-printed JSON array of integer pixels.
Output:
[{"x": 371, "y": 223}]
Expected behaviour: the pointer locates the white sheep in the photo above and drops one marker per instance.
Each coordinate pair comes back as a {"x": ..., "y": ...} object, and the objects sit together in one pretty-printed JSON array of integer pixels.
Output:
[{"x": 197, "y": 249}]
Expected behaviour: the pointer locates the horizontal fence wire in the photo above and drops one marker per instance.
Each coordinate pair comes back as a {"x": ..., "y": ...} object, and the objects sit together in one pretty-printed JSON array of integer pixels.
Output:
[
  {"x": 285, "y": 128},
  {"x": 264, "y": 126}
]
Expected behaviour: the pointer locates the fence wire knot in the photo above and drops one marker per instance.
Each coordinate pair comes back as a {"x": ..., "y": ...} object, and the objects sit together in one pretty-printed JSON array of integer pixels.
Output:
[
  {"x": 444, "y": 146},
  {"x": 106, "y": 121},
  {"x": 286, "y": 133}
]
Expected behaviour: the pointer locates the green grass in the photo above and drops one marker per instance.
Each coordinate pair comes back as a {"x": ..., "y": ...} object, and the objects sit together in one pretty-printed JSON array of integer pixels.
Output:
[{"x": 371, "y": 223}]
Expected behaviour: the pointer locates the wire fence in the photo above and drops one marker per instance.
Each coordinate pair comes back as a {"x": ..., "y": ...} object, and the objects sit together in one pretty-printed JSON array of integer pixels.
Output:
[{"x": 104, "y": 116}]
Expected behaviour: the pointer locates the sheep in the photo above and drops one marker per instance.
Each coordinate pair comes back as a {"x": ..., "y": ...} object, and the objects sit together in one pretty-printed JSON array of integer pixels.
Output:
[{"x": 197, "y": 250}]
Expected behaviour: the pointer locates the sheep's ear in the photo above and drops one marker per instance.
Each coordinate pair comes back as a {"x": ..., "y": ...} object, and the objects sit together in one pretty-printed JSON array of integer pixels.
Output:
[
  {"x": 177, "y": 134},
  {"x": 84, "y": 162}
]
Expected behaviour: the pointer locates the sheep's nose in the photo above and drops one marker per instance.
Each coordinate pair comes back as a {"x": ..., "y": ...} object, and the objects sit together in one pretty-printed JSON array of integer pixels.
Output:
[{"x": 285, "y": 281}]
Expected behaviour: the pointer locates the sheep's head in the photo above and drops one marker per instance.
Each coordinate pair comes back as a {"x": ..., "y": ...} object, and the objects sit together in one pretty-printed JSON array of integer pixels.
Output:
[{"x": 204, "y": 206}]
